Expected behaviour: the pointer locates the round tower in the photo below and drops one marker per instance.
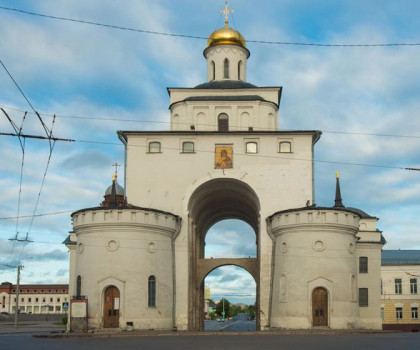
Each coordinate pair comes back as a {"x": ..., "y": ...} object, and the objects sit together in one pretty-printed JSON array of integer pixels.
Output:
[{"x": 226, "y": 53}]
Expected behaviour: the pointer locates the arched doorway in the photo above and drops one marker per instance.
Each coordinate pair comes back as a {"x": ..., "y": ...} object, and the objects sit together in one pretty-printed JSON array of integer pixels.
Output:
[
  {"x": 111, "y": 307},
  {"x": 214, "y": 201},
  {"x": 319, "y": 307}
]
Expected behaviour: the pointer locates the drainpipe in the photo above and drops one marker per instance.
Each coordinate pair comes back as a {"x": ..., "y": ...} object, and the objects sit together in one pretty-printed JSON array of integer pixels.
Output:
[
  {"x": 124, "y": 141},
  {"x": 176, "y": 233},
  {"x": 273, "y": 256}
]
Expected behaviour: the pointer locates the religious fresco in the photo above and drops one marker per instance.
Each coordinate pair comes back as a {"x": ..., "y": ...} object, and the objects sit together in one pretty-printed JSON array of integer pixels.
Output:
[{"x": 223, "y": 157}]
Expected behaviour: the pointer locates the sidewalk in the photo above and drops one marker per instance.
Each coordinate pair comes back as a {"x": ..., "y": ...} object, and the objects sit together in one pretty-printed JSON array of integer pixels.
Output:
[
  {"x": 48, "y": 327},
  {"x": 53, "y": 330}
]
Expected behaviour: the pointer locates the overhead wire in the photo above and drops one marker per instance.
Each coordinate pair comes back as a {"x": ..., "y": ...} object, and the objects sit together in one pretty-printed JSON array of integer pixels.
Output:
[
  {"x": 187, "y": 36},
  {"x": 19, "y": 134}
]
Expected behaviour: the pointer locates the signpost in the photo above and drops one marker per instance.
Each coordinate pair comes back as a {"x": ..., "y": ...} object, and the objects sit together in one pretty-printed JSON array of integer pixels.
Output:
[{"x": 65, "y": 306}]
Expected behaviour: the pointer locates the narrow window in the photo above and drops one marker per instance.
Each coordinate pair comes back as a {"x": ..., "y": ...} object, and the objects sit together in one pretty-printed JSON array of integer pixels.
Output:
[
  {"x": 251, "y": 147},
  {"x": 152, "y": 291},
  {"x": 285, "y": 147},
  {"x": 398, "y": 286},
  {"x": 29, "y": 300},
  {"x": 413, "y": 285},
  {"x": 414, "y": 313},
  {"x": 226, "y": 69},
  {"x": 213, "y": 70},
  {"x": 353, "y": 287},
  {"x": 36, "y": 299},
  {"x": 223, "y": 122},
  {"x": 382, "y": 313},
  {"x": 363, "y": 297},
  {"x": 188, "y": 147},
  {"x": 154, "y": 147},
  {"x": 363, "y": 264},
  {"x": 78, "y": 287},
  {"x": 239, "y": 70},
  {"x": 399, "y": 313}
]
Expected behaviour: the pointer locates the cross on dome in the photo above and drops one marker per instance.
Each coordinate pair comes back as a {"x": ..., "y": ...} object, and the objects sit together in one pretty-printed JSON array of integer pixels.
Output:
[
  {"x": 226, "y": 12},
  {"x": 116, "y": 165}
]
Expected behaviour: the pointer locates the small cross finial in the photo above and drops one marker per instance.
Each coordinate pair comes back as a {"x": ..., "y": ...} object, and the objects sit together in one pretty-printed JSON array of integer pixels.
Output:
[
  {"x": 116, "y": 165},
  {"x": 337, "y": 175},
  {"x": 226, "y": 12}
]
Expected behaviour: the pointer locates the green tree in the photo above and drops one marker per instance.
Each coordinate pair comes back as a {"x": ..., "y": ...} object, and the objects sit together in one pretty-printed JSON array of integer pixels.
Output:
[
  {"x": 234, "y": 310},
  {"x": 223, "y": 304},
  {"x": 251, "y": 311}
]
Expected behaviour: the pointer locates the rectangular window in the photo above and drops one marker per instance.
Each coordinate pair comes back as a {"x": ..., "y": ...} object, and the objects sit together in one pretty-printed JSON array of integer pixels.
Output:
[
  {"x": 36, "y": 299},
  {"x": 58, "y": 300},
  {"x": 188, "y": 147},
  {"x": 414, "y": 313},
  {"x": 154, "y": 147},
  {"x": 251, "y": 147},
  {"x": 363, "y": 297},
  {"x": 29, "y": 300},
  {"x": 51, "y": 300},
  {"x": 363, "y": 264},
  {"x": 382, "y": 313},
  {"x": 413, "y": 285},
  {"x": 398, "y": 286},
  {"x": 22, "y": 299},
  {"x": 285, "y": 147},
  {"x": 398, "y": 313}
]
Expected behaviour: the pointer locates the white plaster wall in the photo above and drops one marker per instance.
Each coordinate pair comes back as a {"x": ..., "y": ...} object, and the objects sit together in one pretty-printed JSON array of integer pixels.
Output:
[
  {"x": 123, "y": 248},
  {"x": 279, "y": 181},
  {"x": 370, "y": 316},
  {"x": 306, "y": 264},
  {"x": 203, "y": 115},
  {"x": 218, "y": 54}
]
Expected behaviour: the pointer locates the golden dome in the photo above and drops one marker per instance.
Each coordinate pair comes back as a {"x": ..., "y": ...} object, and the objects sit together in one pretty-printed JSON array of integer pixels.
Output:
[{"x": 226, "y": 36}]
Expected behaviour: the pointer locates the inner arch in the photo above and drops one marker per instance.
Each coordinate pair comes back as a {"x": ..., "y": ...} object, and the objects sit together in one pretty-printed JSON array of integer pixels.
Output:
[{"x": 221, "y": 199}]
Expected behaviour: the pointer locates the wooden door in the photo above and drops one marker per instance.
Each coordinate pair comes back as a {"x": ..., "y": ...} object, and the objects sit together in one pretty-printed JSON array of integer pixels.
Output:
[
  {"x": 319, "y": 307},
  {"x": 112, "y": 307}
]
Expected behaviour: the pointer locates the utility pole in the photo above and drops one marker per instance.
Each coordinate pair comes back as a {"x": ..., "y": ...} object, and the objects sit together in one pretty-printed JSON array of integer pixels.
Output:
[
  {"x": 223, "y": 308},
  {"x": 19, "y": 267}
]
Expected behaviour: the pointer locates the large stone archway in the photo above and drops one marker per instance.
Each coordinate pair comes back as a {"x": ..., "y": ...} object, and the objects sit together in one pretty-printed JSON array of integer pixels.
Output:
[{"x": 213, "y": 201}]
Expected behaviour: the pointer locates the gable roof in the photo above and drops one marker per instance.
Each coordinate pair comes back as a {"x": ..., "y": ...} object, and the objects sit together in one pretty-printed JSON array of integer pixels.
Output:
[{"x": 400, "y": 257}]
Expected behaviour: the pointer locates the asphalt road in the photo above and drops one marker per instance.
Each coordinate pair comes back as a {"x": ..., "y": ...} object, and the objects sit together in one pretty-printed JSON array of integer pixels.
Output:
[
  {"x": 220, "y": 341},
  {"x": 229, "y": 326}
]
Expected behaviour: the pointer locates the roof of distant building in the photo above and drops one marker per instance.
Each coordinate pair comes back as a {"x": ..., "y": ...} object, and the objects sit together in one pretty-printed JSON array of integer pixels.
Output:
[{"x": 400, "y": 257}]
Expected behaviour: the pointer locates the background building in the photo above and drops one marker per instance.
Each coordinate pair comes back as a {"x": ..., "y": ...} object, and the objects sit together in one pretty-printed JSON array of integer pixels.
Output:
[
  {"x": 400, "y": 298},
  {"x": 34, "y": 298}
]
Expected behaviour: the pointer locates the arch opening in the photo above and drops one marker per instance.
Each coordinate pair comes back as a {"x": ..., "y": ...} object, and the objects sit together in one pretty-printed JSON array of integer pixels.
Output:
[
  {"x": 230, "y": 299},
  {"x": 216, "y": 203}
]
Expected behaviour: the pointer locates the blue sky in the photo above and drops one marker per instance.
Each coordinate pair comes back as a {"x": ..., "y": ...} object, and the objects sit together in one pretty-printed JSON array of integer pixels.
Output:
[{"x": 98, "y": 80}]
